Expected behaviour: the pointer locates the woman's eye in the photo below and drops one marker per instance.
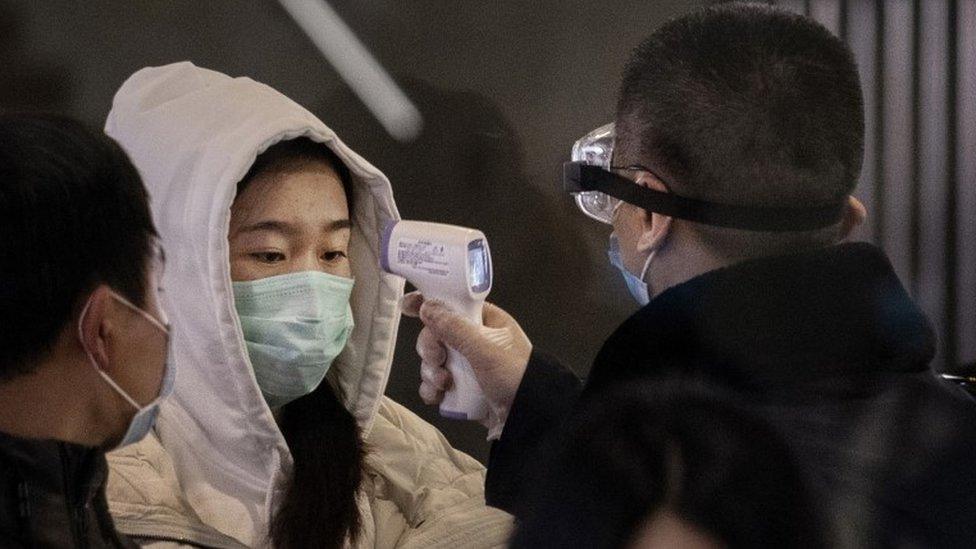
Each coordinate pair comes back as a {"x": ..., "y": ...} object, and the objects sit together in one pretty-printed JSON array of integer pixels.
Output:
[
  {"x": 333, "y": 256},
  {"x": 268, "y": 257}
]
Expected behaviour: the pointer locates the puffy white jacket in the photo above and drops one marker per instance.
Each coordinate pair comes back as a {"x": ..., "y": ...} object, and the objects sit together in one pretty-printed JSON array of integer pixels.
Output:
[{"x": 214, "y": 469}]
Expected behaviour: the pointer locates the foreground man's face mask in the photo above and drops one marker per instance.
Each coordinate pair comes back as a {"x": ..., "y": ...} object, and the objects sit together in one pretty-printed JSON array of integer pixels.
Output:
[
  {"x": 145, "y": 417},
  {"x": 295, "y": 325},
  {"x": 635, "y": 284}
]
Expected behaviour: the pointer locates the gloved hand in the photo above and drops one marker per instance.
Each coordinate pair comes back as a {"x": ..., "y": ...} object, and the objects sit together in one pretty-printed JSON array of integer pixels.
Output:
[{"x": 498, "y": 352}]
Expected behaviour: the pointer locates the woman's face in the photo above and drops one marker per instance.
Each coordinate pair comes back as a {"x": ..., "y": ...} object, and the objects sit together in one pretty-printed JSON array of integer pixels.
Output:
[{"x": 288, "y": 221}]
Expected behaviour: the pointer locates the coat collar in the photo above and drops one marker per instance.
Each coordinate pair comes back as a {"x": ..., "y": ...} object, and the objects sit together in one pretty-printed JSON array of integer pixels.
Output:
[
  {"x": 46, "y": 463},
  {"x": 834, "y": 312}
]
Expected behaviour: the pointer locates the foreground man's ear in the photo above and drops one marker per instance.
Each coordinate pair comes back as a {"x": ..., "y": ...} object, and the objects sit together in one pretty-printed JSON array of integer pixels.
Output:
[
  {"x": 854, "y": 216},
  {"x": 654, "y": 226},
  {"x": 96, "y": 324}
]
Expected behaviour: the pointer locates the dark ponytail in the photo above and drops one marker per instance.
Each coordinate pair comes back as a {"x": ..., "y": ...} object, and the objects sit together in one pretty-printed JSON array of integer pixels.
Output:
[{"x": 319, "y": 507}]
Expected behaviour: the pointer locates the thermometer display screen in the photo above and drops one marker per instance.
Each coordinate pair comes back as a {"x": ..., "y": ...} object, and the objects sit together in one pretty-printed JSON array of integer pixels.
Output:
[{"x": 479, "y": 266}]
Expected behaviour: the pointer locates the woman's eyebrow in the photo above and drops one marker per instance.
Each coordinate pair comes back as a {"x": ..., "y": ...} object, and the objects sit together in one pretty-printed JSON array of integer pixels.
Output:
[
  {"x": 283, "y": 227},
  {"x": 291, "y": 229},
  {"x": 337, "y": 225}
]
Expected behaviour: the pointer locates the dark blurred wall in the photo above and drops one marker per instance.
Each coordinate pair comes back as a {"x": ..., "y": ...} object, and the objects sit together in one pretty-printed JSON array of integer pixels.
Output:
[
  {"x": 917, "y": 60},
  {"x": 504, "y": 87}
]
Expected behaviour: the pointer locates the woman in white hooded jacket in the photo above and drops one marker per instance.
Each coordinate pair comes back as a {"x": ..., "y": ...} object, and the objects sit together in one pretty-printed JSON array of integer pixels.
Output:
[{"x": 271, "y": 226}]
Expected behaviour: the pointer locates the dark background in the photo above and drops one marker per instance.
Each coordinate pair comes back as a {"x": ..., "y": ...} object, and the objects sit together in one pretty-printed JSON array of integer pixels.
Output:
[{"x": 504, "y": 88}]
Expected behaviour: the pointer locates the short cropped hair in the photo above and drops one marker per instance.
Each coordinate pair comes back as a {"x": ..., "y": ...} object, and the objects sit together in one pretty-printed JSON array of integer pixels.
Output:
[
  {"x": 73, "y": 214},
  {"x": 745, "y": 104}
]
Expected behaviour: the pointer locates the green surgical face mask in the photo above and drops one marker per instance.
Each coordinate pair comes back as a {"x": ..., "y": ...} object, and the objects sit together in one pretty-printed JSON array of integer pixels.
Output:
[{"x": 294, "y": 326}]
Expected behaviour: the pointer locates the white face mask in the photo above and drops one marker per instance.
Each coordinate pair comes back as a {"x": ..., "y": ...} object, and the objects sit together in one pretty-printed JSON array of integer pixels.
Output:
[
  {"x": 145, "y": 417},
  {"x": 638, "y": 288},
  {"x": 295, "y": 325}
]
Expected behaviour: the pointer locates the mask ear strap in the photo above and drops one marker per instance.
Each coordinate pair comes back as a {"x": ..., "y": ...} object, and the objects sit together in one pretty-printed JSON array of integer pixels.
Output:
[
  {"x": 94, "y": 363},
  {"x": 155, "y": 322},
  {"x": 115, "y": 386},
  {"x": 643, "y": 176},
  {"x": 81, "y": 331},
  {"x": 647, "y": 267}
]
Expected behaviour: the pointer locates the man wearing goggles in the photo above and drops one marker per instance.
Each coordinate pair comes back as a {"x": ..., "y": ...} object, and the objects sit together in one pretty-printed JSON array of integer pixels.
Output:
[{"x": 727, "y": 178}]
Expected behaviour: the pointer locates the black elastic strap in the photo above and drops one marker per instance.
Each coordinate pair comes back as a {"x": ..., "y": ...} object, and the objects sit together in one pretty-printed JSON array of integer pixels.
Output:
[{"x": 580, "y": 177}]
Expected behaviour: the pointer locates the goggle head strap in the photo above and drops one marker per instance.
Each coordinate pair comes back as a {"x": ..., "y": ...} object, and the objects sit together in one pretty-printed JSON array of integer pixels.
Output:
[{"x": 581, "y": 177}]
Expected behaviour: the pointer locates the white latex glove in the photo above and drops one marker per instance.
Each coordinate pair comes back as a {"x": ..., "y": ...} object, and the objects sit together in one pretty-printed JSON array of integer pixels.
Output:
[{"x": 498, "y": 352}]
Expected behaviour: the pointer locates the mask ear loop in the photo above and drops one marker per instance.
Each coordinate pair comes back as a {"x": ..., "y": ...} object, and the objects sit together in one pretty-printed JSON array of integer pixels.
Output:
[
  {"x": 650, "y": 257},
  {"x": 647, "y": 267},
  {"x": 614, "y": 210},
  {"x": 153, "y": 320},
  {"x": 91, "y": 358}
]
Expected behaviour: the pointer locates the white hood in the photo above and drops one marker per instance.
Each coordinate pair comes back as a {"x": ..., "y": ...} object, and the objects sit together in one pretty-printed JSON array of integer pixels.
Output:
[{"x": 193, "y": 134}]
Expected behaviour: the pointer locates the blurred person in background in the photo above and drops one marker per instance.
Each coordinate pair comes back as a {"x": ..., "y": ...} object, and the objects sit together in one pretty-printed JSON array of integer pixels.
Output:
[
  {"x": 278, "y": 433},
  {"x": 83, "y": 365},
  {"x": 663, "y": 465},
  {"x": 727, "y": 178}
]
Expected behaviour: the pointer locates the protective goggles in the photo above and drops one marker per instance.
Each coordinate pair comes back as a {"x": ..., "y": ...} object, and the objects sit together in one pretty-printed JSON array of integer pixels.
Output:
[{"x": 598, "y": 189}]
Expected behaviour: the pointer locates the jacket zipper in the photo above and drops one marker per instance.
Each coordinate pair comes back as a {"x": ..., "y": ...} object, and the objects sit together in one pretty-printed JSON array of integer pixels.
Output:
[
  {"x": 75, "y": 513},
  {"x": 24, "y": 507}
]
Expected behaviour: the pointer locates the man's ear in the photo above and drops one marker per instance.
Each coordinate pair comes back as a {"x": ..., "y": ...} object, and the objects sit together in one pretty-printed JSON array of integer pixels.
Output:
[
  {"x": 96, "y": 324},
  {"x": 854, "y": 216},
  {"x": 654, "y": 226}
]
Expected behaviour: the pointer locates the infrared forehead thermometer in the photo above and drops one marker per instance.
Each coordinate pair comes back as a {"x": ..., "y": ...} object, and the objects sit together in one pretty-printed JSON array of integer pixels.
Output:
[{"x": 450, "y": 264}]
